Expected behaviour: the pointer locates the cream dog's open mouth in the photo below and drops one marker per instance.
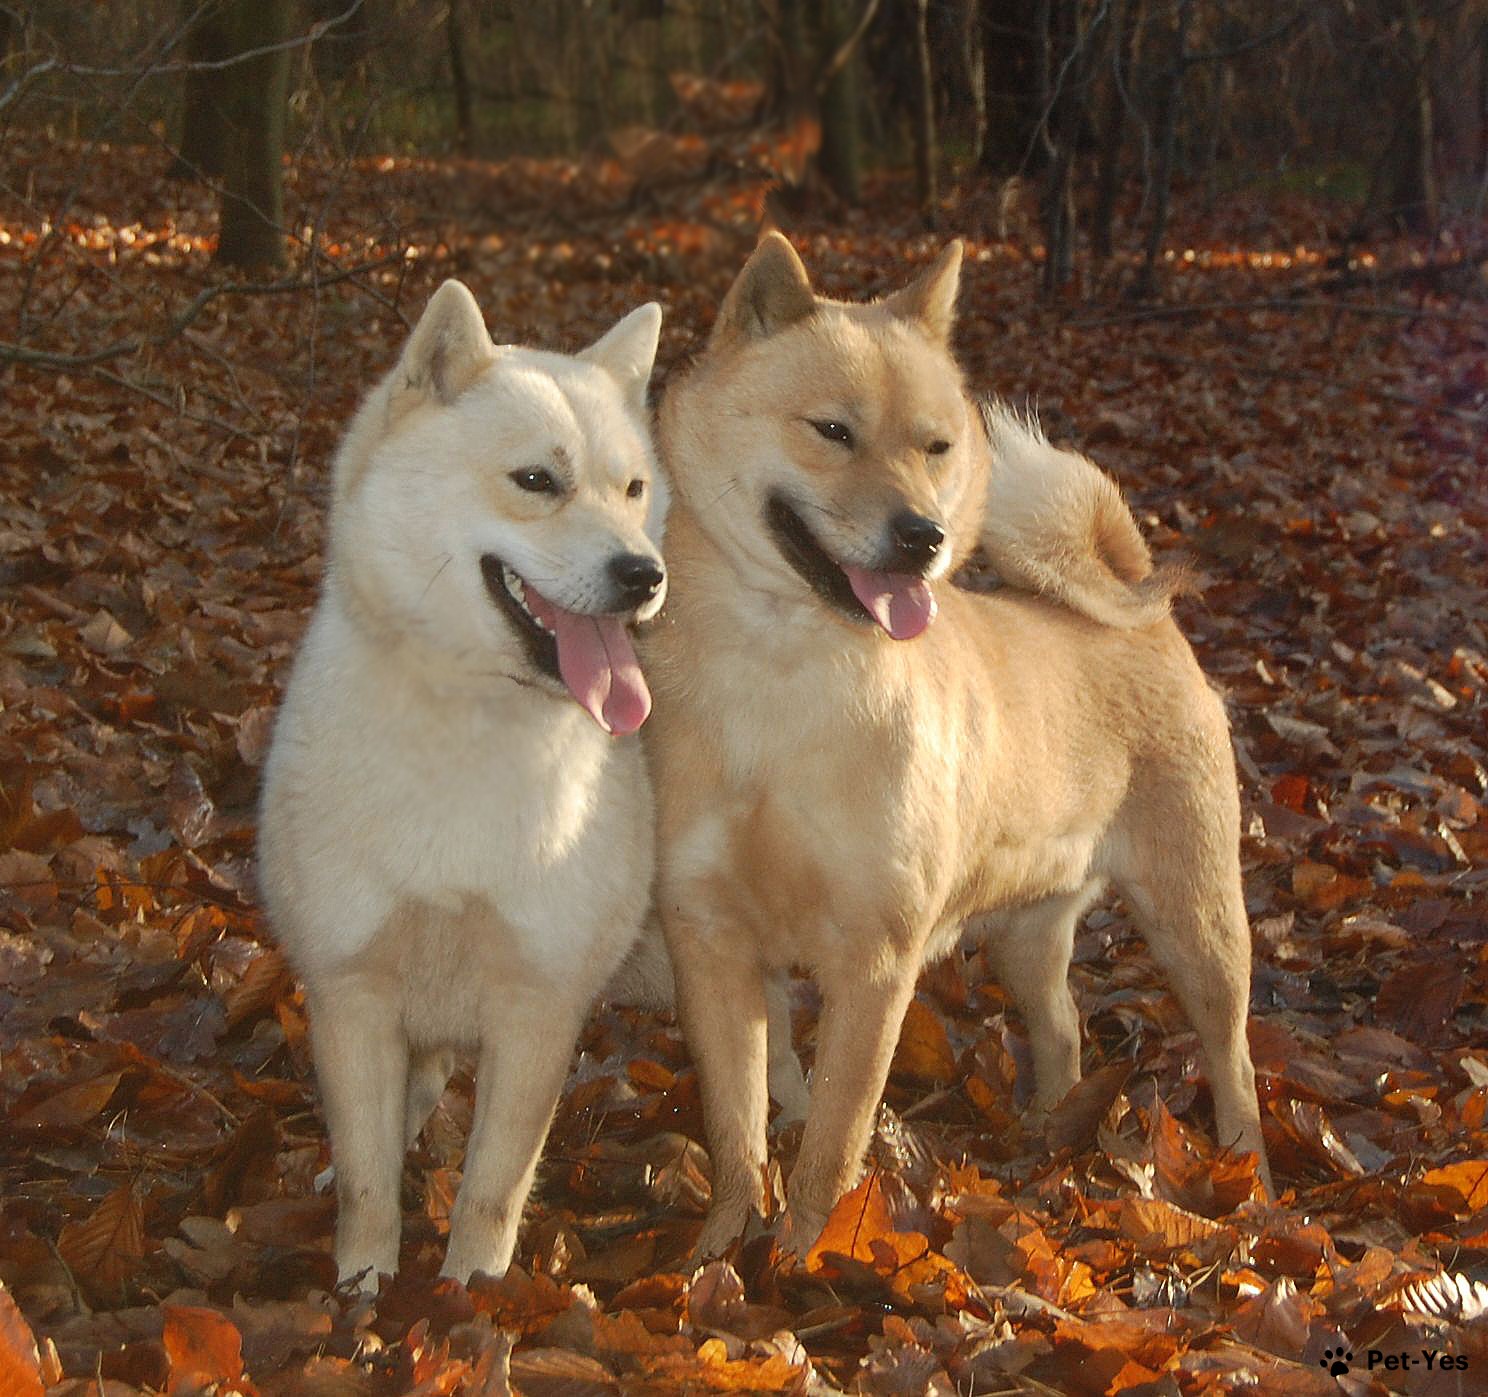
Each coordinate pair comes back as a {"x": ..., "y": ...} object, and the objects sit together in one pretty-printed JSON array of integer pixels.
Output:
[{"x": 900, "y": 602}]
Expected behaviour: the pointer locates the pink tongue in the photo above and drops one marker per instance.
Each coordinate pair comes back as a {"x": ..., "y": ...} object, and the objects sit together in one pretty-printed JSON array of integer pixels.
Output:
[
  {"x": 598, "y": 663},
  {"x": 901, "y": 603}
]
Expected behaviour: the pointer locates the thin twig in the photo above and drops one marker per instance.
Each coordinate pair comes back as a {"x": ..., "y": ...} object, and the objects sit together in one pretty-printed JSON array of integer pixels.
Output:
[{"x": 23, "y": 354}]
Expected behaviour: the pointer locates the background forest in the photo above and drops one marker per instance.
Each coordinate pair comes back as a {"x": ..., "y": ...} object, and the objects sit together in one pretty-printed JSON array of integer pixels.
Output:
[{"x": 1234, "y": 252}]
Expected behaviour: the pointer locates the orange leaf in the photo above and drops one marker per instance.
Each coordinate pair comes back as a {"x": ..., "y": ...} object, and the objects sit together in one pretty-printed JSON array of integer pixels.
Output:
[
  {"x": 20, "y": 1367},
  {"x": 859, "y": 1218},
  {"x": 204, "y": 1348},
  {"x": 924, "y": 1051},
  {"x": 1468, "y": 1179},
  {"x": 1155, "y": 1226},
  {"x": 861, "y": 1228},
  {"x": 266, "y": 978},
  {"x": 1322, "y": 887}
]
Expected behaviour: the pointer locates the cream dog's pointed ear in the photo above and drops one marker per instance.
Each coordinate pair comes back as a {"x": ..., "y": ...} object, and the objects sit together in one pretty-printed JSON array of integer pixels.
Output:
[
  {"x": 627, "y": 352},
  {"x": 930, "y": 299},
  {"x": 772, "y": 291},
  {"x": 448, "y": 348}
]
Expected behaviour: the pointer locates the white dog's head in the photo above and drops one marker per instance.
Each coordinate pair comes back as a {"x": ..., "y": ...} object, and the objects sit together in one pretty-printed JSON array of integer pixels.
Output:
[{"x": 502, "y": 506}]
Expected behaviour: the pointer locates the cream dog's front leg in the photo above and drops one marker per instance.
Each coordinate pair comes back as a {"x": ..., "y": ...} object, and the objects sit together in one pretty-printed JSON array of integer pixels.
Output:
[{"x": 862, "y": 1012}]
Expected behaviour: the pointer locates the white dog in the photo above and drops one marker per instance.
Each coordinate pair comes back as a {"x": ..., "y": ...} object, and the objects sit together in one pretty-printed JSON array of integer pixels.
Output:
[{"x": 456, "y": 838}]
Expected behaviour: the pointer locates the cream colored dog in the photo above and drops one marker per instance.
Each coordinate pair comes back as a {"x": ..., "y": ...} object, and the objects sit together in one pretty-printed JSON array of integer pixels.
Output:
[
  {"x": 856, "y": 761},
  {"x": 456, "y": 837}
]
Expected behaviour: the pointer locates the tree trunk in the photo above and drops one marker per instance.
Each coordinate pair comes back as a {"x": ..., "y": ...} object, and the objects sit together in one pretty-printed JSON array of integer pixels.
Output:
[
  {"x": 254, "y": 95},
  {"x": 1113, "y": 128},
  {"x": 841, "y": 158},
  {"x": 925, "y": 152},
  {"x": 1011, "y": 84},
  {"x": 974, "y": 61},
  {"x": 1167, "y": 149},
  {"x": 1413, "y": 192},
  {"x": 200, "y": 152},
  {"x": 460, "y": 78},
  {"x": 1073, "y": 46}
]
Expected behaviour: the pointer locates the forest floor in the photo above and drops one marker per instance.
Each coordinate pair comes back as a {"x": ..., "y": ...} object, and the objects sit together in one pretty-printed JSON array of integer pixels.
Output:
[{"x": 1312, "y": 437}]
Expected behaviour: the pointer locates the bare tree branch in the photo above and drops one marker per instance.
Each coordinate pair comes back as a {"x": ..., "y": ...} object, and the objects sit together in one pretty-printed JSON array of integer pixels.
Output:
[{"x": 120, "y": 349}]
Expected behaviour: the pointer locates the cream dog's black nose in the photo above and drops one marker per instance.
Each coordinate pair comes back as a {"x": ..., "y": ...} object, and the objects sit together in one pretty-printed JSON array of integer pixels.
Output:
[
  {"x": 636, "y": 578},
  {"x": 916, "y": 539}
]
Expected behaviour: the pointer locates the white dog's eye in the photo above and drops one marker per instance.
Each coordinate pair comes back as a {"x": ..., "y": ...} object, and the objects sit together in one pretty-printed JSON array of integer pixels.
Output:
[
  {"x": 535, "y": 479},
  {"x": 834, "y": 431},
  {"x": 938, "y": 447},
  {"x": 635, "y": 489}
]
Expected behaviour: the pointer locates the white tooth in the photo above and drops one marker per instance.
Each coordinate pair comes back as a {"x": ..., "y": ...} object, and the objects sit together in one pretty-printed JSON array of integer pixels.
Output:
[{"x": 518, "y": 590}]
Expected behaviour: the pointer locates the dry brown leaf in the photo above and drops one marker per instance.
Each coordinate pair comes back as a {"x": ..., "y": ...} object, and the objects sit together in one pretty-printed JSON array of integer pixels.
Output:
[{"x": 105, "y": 1248}]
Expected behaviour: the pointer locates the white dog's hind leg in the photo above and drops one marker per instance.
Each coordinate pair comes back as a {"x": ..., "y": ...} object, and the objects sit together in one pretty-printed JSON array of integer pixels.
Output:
[
  {"x": 428, "y": 1075},
  {"x": 1030, "y": 950},
  {"x": 787, "y": 1082},
  {"x": 361, "y": 1061},
  {"x": 524, "y": 1058}
]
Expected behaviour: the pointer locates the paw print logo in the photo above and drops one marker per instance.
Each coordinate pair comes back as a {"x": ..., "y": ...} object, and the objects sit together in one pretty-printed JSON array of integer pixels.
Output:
[{"x": 1335, "y": 1361}]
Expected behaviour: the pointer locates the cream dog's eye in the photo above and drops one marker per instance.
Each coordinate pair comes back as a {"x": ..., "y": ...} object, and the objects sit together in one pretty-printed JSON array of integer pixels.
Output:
[
  {"x": 536, "y": 480},
  {"x": 635, "y": 489},
  {"x": 938, "y": 447},
  {"x": 834, "y": 431}
]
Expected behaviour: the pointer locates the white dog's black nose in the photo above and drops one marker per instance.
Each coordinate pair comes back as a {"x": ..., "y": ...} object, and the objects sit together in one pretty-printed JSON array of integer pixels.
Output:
[
  {"x": 916, "y": 539},
  {"x": 636, "y": 578}
]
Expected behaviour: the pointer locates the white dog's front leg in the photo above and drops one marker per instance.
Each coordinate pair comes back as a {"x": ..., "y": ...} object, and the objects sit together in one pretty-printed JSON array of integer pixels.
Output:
[
  {"x": 361, "y": 1062},
  {"x": 524, "y": 1059}
]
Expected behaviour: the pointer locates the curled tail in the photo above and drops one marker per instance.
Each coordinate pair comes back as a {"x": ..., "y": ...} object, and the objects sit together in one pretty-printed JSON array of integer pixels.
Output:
[{"x": 1055, "y": 523}]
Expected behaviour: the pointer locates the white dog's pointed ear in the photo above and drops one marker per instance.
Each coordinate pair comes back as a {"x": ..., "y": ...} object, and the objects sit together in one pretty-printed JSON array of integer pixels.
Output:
[
  {"x": 771, "y": 292},
  {"x": 448, "y": 348},
  {"x": 627, "y": 351},
  {"x": 930, "y": 299}
]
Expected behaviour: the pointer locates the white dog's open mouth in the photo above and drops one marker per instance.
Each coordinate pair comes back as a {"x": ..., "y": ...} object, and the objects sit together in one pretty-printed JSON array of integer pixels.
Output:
[
  {"x": 592, "y": 656},
  {"x": 901, "y": 602}
]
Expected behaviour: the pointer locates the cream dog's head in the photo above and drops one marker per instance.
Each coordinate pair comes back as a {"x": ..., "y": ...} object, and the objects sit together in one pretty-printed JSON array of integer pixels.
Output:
[{"x": 829, "y": 447}]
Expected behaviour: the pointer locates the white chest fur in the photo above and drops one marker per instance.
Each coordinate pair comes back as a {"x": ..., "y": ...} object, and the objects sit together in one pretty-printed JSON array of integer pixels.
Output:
[{"x": 389, "y": 792}]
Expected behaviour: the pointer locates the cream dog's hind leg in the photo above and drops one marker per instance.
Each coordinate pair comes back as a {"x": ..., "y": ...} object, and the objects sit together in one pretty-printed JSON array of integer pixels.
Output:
[
  {"x": 1181, "y": 876},
  {"x": 788, "y": 1087},
  {"x": 1030, "y": 949},
  {"x": 428, "y": 1075}
]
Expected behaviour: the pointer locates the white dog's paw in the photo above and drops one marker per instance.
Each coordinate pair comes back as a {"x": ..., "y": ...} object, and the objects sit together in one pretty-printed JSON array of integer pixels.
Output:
[{"x": 362, "y": 1278}]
